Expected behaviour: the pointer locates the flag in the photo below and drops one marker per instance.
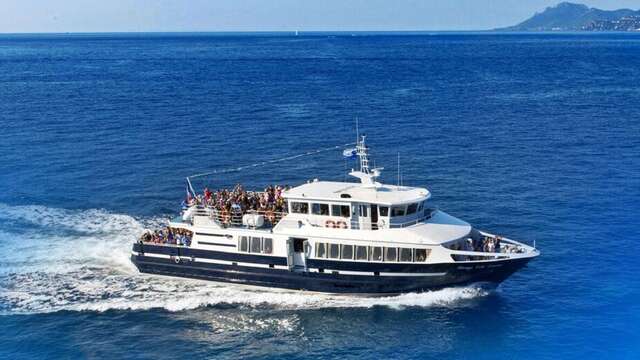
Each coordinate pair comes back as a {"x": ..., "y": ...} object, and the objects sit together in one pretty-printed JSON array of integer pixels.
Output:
[{"x": 349, "y": 153}]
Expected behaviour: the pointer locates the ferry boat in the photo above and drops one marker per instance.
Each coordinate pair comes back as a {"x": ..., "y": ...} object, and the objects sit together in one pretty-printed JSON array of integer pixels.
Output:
[{"x": 360, "y": 237}]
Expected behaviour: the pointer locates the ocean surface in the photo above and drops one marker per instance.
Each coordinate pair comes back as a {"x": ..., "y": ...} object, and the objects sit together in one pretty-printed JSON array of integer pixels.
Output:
[{"x": 533, "y": 136}]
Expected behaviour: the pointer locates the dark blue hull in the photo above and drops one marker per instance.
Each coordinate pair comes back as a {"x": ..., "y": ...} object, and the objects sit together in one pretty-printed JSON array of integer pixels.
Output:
[{"x": 373, "y": 278}]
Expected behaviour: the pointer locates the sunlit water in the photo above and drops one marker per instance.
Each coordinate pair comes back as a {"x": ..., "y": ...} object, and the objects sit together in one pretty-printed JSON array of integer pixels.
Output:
[{"x": 535, "y": 137}]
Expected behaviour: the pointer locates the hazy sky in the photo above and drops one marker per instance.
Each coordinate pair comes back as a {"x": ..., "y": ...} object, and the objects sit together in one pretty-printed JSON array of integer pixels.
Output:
[{"x": 274, "y": 15}]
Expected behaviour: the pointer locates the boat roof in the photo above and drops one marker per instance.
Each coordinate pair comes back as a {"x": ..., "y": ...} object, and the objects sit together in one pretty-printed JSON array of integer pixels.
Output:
[{"x": 380, "y": 194}]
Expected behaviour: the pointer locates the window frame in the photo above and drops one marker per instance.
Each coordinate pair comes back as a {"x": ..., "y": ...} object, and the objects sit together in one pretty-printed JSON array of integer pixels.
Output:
[
  {"x": 251, "y": 242},
  {"x": 264, "y": 248},
  {"x": 371, "y": 251},
  {"x": 342, "y": 247},
  {"x": 397, "y": 208},
  {"x": 331, "y": 245},
  {"x": 386, "y": 252},
  {"x": 302, "y": 204},
  {"x": 384, "y": 209},
  {"x": 426, "y": 253},
  {"x": 363, "y": 210},
  {"x": 339, "y": 212},
  {"x": 400, "y": 250},
  {"x": 319, "y": 206},
  {"x": 246, "y": 243},
  {"x": 366, "y": 252},
  {"x": 324, "y": 249}
]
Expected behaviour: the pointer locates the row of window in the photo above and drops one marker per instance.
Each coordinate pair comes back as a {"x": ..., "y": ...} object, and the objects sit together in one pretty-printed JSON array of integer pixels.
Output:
[
  {"x": 370, "y": 253},
  {"x": 298, "y": 207},
  {"x": 407, "y": 209},
  {"x": 255, "y": 245}
]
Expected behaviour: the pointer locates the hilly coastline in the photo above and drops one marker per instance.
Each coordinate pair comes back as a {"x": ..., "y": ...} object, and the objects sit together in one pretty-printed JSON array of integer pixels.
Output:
[{"x": 568, "y": 16}]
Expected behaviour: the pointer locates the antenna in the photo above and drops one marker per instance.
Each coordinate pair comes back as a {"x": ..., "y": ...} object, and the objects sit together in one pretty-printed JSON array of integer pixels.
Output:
[
  {"x": 398, "y": 168},
  {"x": 357, "y": 131}
]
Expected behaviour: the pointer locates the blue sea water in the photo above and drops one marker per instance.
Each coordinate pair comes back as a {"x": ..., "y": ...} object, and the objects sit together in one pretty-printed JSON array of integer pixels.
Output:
[{"x": 534, "y": 136}]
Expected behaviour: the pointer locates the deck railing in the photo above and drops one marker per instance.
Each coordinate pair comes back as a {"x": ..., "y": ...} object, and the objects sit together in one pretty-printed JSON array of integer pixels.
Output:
[{"x": 233, "y": 218}]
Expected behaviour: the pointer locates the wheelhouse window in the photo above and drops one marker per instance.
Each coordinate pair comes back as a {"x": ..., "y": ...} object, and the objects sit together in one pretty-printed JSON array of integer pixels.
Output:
[
  {"x": 420, "y": 206},
  {"x": 397, "y": 211},
  {"x": 384, "y": 210},
  {"x": 406, "y": 254},
  {"x": 267, "y": 246},
  {"x": 299, "y": 207},
  {"x": 320, "y": 209},
  {"x": 255, "y": 245},
  {"x": 321, "y": 251},
  {"x": 361, "y": 253},
  {"x": 244, "y": 244},
  {"x": 412, "y": 208},
  {"x": 347, "y": 252},
  {"x": 340, "y": 210},
  {"x": 376, "y": 253},
  {"x": 334, "y": 251},
  {"x": 390, "y": 254},
  {"x": 422, "y": 254}
]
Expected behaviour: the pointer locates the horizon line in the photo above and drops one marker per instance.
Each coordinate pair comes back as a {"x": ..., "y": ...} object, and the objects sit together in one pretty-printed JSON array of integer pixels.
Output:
[{"x": 311, "y": 32}]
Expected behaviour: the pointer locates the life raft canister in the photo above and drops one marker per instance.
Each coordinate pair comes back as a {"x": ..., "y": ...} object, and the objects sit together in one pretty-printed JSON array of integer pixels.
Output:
[
  {"x": 341, "y": 225},
  {"x": 330, "y": 224}
]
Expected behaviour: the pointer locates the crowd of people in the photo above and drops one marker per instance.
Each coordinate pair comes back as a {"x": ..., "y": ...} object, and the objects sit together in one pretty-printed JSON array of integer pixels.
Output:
[
  {"x": 229, "y": 205},
  {"x": 486, "y": 244},
  {"x": 168, "y": 236}
]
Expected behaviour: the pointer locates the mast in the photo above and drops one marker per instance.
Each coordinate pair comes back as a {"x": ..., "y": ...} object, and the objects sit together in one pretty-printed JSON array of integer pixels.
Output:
[
  {"x": 362, "y": 152},
  {"x": 366, "y": 175}
]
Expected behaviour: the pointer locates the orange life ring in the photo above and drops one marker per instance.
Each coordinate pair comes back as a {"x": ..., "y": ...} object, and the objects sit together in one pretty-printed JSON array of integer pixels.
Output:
[
  {"x": 329, "y": 224},
  {"x": 341, "y": 225}
]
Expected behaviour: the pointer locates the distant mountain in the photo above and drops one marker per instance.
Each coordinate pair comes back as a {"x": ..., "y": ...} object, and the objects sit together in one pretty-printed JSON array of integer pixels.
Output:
[{"x": 576, "y": 17}]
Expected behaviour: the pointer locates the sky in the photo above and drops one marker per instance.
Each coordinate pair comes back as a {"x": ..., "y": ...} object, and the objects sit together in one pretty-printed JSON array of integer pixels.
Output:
[{"x": 20, "y": 16}]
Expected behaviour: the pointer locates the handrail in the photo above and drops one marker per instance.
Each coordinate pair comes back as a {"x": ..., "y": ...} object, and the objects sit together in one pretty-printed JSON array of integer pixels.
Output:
[
  {"x": 234, "y": 217},
  {"x": 414, "y": 221}
]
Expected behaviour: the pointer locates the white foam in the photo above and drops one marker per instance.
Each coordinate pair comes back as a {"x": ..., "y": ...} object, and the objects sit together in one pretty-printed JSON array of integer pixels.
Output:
[{"x": 79, "y": 261}]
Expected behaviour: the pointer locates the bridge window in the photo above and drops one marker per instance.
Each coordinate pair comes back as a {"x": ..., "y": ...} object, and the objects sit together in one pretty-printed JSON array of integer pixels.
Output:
[
  {"x": 384, "y": 210},
  {"x": 420, "y": 206},
  {"x": 267, "y": 246},
  {"x": 347, "y": 252},
  {"x": 406, "y": 254},
  {"x": 422, "y": 254},
  {"x": 255, "y": 245},
  {"x": 244, "y": 244},
  {"x": 340, "y": 210},
  {"x": 411, "y": 209},
  {"x": 376, "y": 253},
  {"x": 361, "y": 253},
  {"x": 321, "y": 251},
  {"x": 397, "y": 211},
  {"x": 390, "y": 254},
  {"x": 299, "y": 207},
  {"x": 334, "y": 251}
]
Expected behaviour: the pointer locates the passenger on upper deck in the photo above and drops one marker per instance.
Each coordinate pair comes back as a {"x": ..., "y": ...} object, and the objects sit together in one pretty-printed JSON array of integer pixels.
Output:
[{"x": 229, "y": 206}]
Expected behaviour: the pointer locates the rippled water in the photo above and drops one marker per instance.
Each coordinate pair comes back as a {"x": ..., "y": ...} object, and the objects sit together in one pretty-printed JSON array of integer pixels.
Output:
[{"x": 532, "y": 136}]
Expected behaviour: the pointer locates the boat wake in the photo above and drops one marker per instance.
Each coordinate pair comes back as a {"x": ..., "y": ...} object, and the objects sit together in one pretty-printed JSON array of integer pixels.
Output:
[{"x": 78, "y": 260}]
